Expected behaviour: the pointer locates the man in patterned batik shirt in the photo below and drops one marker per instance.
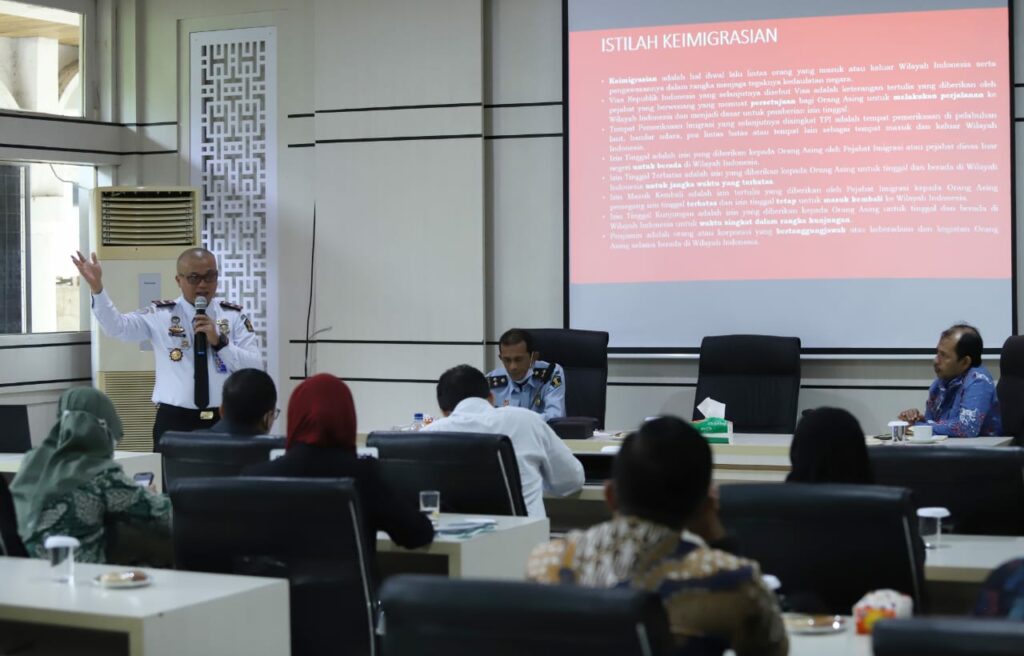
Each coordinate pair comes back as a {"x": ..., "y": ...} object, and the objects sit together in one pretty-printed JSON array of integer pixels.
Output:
[
  {"x": 962, "y": 401},
  {"x": 660, "y": 485}
]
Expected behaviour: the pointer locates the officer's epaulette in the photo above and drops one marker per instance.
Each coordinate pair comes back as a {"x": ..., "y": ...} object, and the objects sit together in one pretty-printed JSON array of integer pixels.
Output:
[
  {"x": 165, "y": 303},
  {"x": 542, "y": 373},
  {"x": 497, "y": 381},
  {"x": 231, "y": 306}
]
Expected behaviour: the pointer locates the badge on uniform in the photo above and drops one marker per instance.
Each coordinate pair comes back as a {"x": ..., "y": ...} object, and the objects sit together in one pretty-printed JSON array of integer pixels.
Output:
[
  {"x": 176, "y": 354},
  {"x": 556, "y": 381},
  {"x": 248, "y": 324},
  {"x": 536, "y": 402},
  {"x": 176, "y": 329},
  {"x": 221, "y": 367}
]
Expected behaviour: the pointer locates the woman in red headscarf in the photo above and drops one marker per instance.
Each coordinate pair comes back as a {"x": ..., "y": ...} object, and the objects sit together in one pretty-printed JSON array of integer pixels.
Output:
[{"x": 321, "y": 443}]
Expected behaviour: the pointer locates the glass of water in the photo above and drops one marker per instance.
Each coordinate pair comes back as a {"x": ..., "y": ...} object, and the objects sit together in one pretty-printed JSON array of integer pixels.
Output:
[
  {"x": 430, "y": 504},
  {"x": 61, "y": 549},
  {"x": 930, "y": 521}
]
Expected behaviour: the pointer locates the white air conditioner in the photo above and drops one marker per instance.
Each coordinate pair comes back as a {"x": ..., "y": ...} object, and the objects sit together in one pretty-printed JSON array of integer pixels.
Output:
[{"x": 139, "y": 233}]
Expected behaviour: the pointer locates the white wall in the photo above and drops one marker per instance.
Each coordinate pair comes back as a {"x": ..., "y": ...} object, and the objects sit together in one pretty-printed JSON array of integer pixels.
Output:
[{"x": 426, "y": 248}]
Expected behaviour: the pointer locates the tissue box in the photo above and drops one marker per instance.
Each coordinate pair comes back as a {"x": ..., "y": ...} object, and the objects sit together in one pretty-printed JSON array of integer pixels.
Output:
[
  {"x": 881, "y": 604},
  {"x": 714, "y": 429}
]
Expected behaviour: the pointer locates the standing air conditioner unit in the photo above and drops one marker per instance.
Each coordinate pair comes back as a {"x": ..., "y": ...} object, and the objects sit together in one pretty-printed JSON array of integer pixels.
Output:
[{"x": 140, "y": 232}]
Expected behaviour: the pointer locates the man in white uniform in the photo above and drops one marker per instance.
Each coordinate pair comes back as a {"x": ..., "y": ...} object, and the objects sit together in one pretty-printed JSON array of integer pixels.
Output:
[
  {"x": 187, "y": 398},
  {"x": 545, "y": 463}
]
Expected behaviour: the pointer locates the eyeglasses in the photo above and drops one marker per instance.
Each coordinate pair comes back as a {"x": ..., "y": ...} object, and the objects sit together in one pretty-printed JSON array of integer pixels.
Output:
[{"x": 194, "y": 278}]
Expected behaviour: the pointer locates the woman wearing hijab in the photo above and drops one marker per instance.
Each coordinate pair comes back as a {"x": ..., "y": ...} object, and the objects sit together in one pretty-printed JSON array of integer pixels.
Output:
[
  {"x": 829, "y": 447},
  {"x": 321, "y": 443},
  {"x": 70, "y": 484}
]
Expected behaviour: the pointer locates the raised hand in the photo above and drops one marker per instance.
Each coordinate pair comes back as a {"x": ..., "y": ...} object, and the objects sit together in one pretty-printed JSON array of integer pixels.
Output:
[{"x": 92, "y": 272}]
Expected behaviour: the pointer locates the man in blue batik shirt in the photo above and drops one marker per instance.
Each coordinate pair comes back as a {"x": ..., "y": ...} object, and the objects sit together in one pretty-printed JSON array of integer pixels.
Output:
[
  {"x": 962, "y": 401},
  {"x": 524, "y": 381}
]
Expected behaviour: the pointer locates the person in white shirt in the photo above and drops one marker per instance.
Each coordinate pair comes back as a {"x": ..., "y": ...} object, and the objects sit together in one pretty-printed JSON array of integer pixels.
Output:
[
  {"x": 545, "y": 463},
  {"x": 186, "y": 399}
]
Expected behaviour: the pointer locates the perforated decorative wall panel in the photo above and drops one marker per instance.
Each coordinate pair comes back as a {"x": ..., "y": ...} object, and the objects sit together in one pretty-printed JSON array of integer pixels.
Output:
[{"x": 233, "y": 153}]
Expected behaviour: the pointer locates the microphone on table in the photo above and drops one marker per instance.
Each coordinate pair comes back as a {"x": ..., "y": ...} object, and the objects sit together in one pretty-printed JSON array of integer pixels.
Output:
[{"x": 200, "y": 337}]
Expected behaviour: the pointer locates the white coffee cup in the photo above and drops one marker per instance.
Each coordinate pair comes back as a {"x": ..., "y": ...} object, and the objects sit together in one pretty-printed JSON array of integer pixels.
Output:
[{"x": 922, "y": 432}]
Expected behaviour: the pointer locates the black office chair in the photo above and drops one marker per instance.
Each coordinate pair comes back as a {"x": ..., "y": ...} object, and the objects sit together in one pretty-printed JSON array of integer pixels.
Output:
[
  {"x": 427, "y": 615},
  {"x": 192, "y": 455},
  {"x": 476, "y": 473},
  {"x": 757, "y": 377},
  {"x": 15, "y": 436},
  {"x": 982, "y": 487},
  {"x": 947, "y": 636},
  {"x": 1010, "y": 388},
  {"x": 306, "y": 530},
  {"x": 10, "y": 541},
  {"x": 829, "y": 544},
  {"x": 583, "y": 355}
]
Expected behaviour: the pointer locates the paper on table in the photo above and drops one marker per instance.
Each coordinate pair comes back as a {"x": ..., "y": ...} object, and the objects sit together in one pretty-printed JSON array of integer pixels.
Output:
[{"x": 712, "y": 409}]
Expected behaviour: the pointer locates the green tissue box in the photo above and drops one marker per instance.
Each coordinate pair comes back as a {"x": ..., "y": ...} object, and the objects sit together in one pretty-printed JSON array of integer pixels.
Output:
[{"x": 714, "y": 430}]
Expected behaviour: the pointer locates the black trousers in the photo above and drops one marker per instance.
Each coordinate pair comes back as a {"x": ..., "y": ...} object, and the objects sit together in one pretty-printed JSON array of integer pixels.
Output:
[{"x": 173, "y": 418}]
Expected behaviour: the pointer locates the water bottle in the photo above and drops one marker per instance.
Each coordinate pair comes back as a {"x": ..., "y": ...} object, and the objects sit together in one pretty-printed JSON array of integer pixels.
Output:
[{"x": 417, "y": 421}]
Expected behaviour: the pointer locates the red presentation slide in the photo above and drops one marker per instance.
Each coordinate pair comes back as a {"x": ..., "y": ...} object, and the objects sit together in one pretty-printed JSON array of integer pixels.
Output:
[{"x": 862, "y": 146}]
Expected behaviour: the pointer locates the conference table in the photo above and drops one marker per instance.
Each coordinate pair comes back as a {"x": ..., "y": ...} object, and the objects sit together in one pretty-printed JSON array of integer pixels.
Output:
[
  {"x": 499, "y": 553},
  {"x": 178, "y": 613},
  {"x": 747, "y": 458},
  {"x": 133, "y": 462}
]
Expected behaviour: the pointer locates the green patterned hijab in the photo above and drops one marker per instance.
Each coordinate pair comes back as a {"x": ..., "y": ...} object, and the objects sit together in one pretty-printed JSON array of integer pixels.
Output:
[{"x": 80, "y": 446}]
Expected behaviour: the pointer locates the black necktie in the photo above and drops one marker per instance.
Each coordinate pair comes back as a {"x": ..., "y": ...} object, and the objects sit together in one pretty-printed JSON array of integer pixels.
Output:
[{"x": 201, "y": 377}]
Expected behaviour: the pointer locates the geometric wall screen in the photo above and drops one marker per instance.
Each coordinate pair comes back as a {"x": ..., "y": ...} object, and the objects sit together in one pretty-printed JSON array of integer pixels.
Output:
[{"x": 233, "y": 125}]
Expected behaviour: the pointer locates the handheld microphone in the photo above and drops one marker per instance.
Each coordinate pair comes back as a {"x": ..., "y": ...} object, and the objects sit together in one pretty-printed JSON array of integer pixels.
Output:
[{"x": 200, "y": 338}]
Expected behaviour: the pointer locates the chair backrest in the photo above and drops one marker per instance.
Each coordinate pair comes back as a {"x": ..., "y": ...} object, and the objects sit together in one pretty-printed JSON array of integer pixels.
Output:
[
  {"x": 829, "y": 544},
  {"x": 306, "y": 530},
  {"x": 757, "y": 377},
  {"x": 982, "y": 487},
  {"x": 947, "y": 636},
  {"x": 1010, "y": 388},
  {"x": 193, "y": 455},
  {"x": 475, "y": 472},
  {"x": 10, "y": 541},
  {"x": 583, "y": 355},
  {"x": 434, "y": 615},
  {"x": 15, "y": 436}
]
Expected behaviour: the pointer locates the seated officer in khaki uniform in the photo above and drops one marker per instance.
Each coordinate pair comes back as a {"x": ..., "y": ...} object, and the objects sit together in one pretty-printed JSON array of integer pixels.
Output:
[{"x": 524, "y": 381}]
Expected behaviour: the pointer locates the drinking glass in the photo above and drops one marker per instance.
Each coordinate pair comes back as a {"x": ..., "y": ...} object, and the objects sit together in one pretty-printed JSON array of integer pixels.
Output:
[
  {"x": 930, "y": 522},
  {"x": 430, "y": 504},
  {"x": 61, "y": 549}
]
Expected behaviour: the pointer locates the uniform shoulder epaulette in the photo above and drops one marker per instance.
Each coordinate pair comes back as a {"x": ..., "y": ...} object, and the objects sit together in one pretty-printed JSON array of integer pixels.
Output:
[
  {"x": 497, "y": 381},
  {"x": 165, "y": 303},
  {"x": 542, "y": 373},
  {"x": 231, "y": 306}
]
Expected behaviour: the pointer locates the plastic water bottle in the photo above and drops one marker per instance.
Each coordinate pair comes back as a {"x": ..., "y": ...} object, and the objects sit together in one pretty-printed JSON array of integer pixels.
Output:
[{"x": 417, "y": 421}]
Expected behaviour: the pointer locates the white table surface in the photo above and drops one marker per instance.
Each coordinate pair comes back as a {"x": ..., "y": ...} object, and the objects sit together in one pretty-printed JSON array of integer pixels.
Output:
[
  {"x": 846, "y": 643},
  {"x": 179, "y": 613},
  {"x": 133, "y": 462},
  {"x": 501, "y": 553},
  {"x": 970, "y": 558}
]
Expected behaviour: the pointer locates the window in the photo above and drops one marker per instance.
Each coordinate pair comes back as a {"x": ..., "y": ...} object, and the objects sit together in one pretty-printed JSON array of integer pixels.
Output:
[
  {"x": 40, "y": 59},
  {"x": 44, "y": 210}
]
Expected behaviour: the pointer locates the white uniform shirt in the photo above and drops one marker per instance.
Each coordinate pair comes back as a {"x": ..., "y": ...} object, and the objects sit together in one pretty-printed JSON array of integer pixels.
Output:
[
  {"x": 545, "y": 463},
  {"x": 175, "y": 380}
]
